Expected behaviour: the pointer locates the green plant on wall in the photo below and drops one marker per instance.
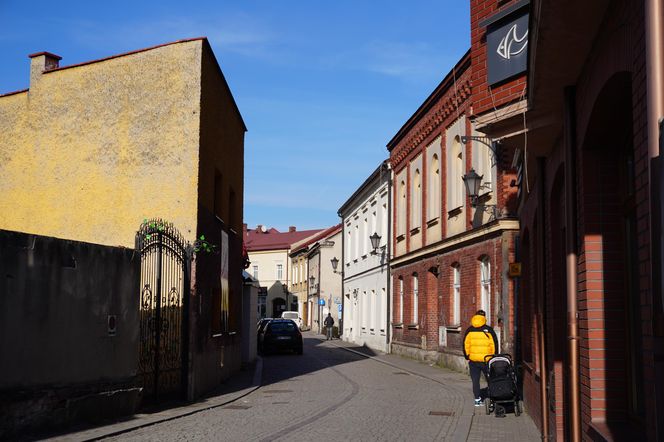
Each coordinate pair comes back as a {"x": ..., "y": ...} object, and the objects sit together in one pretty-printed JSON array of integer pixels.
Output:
[{"x": 202, "y": 245}]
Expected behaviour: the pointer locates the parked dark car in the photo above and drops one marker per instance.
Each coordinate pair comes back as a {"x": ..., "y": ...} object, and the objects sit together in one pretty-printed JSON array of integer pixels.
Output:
[
  {"x": 279, "y": 335},
  {"x": 260, "y": 328}
]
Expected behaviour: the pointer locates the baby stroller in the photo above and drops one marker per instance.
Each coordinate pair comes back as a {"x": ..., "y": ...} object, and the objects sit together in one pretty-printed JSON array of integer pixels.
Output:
[{"x": 502, "y": 385}]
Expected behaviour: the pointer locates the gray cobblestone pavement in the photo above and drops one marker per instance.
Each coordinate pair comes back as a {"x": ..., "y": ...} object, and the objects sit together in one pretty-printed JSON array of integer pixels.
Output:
[{"x": 334, "y": 391}]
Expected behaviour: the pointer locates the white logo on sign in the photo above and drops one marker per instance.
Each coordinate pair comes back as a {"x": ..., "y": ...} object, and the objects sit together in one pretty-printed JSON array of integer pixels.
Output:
[{"x": 511, "y": 44}]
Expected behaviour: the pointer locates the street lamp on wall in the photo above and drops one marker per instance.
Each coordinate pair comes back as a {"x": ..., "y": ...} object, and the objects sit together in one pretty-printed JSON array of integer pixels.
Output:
[
  {"x": 473, "y": 183},
  {"x": 335, "y": 262},
  {"x": 375, "y": 242}
]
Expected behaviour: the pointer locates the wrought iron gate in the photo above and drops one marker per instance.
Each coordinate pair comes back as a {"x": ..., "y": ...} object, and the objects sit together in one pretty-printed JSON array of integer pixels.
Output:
[{"x": 164, "y": 303}]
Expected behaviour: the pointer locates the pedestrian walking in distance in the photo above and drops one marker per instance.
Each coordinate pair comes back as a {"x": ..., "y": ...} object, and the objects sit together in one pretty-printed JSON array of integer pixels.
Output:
[
  {"x": 479, "y": 341},
  {"x": 329, "y": 323}
]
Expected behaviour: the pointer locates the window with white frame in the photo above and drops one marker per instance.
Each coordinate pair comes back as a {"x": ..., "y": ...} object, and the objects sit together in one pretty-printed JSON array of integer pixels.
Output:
[
  {"x": 383, "y": 229},
  {"x": 372, "y": 310},
  {"x": 255, "y": 272},
  {"x": 365, "y": 309},
  {"x": 373, "y": 223},
  {"x": 382, "y": 302},
  {"x": 356, "y": 242},
  {"x": 485, "y": 287},
  {"x": 433, "y": 189},
  {"x": 401, "y": 300},
  {"x": 456, "y": 294},
  {"x": 280, "y": 272},
  {"x": 348, "y": 246},
  {"x": 416, "y": 288},
  {"x": 365, "y": 236},
  {"x": 416, "y": 201}
]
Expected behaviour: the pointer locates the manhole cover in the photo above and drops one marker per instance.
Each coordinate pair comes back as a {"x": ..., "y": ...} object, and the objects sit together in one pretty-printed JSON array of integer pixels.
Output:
[
  {"x": 278, "y": 391},
  {"x": 401, "y": 373},
  {"x": 441, "y": 413},
  {"x": 237, "y": 407}
]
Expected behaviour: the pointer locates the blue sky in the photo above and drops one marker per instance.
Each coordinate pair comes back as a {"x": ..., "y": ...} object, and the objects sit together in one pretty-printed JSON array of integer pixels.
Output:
[{"x": 322, "y": 85}]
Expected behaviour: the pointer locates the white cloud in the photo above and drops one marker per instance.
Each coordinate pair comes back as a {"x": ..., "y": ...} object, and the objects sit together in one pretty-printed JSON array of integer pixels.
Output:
[{"x": 413, "y": 60}]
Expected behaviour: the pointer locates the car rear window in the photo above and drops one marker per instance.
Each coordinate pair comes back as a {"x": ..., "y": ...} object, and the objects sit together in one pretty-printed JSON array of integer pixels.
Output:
[
  {"x": 282, "y": 326},
  {"x": 289, "y": 315}
]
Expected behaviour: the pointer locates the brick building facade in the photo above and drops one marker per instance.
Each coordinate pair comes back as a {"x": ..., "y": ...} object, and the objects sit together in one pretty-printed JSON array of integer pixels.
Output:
[
  {"x": 591, "y": 302},
  {"x": 452, "y": 251}
]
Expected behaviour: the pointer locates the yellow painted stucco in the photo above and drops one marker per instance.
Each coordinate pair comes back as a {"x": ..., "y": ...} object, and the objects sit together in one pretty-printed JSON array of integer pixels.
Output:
[{"x": 90, "y": 151}]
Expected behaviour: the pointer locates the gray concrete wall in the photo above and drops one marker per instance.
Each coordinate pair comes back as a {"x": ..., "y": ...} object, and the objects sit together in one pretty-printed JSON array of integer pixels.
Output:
[{"x": 55, "y": 299}]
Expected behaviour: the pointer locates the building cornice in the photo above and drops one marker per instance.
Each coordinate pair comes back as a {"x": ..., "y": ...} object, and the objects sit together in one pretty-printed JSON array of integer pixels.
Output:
[
  {"x": 433, "y": 119},
  {"x": 471, "y": 236}
]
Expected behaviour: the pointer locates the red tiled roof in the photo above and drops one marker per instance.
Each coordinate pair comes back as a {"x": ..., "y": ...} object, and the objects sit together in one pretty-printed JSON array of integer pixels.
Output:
[
  {"x": 323, "y": 234},
  {"x": 272, "y": 239}
]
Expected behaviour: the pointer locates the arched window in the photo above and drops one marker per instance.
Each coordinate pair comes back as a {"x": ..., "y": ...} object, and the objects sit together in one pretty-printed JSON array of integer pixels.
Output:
[
  {"x": 400, "y": 300},
  {"x": 416, "y": 201},
  {"x": 433, "y": 189},
  {"x": 485, "y": 287},
  {"x": 456, "y": 295},
  {"x": 416, "y": 288}
]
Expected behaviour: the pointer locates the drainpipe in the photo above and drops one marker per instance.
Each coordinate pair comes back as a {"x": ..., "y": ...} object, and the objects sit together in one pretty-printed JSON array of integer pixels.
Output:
[
  {"x": 571, "y": 262},
  {"x": 654, "y": 22},
  {"x": 541, "y": 289},
  {"x": 342, "y": 273},
  {"x": 388, "y": 326}
]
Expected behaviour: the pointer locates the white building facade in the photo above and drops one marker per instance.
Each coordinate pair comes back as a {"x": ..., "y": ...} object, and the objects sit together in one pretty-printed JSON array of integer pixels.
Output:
[{"x": 365, "y": 270}]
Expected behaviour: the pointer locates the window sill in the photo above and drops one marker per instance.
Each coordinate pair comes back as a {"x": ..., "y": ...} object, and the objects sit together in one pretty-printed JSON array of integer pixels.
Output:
[
  {"x": 453, "y": 328},
  {"x": 413, "y": 326},
  {"x": 432, "y": 222},
  {"x": 401, "y": 237},
  {"x": 414, "y": 231},
  {"x": 398, "y": 325},
  {"x": 365, "y": 256},
  {"x": 454, "y": 212}
]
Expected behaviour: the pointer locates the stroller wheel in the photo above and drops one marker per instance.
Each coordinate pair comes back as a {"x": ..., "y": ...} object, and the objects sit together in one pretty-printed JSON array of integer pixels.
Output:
[
  {"x": 517, "y": 408},
  {"x": 487, "y": 405}
]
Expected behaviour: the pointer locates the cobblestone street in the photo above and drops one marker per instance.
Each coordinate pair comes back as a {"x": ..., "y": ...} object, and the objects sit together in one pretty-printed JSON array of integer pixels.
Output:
[{"x": 334, "y": 392}]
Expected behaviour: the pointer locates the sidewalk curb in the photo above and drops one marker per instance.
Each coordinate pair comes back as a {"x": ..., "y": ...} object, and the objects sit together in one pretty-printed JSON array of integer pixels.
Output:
[{"x": 188, "y": 410}]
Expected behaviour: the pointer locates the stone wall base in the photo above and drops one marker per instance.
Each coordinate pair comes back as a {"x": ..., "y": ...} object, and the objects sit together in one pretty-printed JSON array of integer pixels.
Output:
[{"x": 448, "y": 360}]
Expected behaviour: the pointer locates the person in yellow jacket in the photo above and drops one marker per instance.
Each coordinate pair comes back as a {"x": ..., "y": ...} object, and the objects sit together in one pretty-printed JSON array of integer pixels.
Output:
[{"x": 478, "y": 341}]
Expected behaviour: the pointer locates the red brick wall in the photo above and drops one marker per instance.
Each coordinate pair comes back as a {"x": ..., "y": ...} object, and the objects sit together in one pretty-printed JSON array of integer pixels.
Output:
[
  {"x": 435, "y": 293},
  {"x": 484, "y": 97}
]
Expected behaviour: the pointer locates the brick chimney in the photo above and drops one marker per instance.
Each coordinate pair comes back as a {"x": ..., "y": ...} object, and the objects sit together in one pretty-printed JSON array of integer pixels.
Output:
[
  {"x": 41, "y": 62},
  {"x": 291, "y": 229}
]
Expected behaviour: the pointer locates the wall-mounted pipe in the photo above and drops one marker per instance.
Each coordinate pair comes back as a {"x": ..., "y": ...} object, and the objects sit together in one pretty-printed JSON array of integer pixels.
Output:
[{"x": 571, "y": 260}]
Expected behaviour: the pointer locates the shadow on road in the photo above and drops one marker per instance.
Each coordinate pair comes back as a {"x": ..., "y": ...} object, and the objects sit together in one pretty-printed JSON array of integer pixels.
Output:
[{"x": 318, "y": 355}]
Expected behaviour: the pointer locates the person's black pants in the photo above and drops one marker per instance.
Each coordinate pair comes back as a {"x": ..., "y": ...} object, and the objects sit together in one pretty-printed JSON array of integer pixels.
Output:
[{"x": 475, "y": 369}]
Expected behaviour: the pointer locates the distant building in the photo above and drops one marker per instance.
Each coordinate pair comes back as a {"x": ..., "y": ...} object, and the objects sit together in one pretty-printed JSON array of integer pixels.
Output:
[
  {"x": 324, "y": 294},
  {"x": 268, "y": 251},
  {"x": 365, "y": 271}
]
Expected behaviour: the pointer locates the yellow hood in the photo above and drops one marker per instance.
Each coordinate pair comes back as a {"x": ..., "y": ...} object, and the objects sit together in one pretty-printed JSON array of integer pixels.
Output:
[{"x": 478, "y": 321}]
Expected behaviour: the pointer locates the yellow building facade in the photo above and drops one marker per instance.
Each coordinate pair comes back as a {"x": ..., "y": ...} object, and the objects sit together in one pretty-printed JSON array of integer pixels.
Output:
[{"x": 91, "y": 150}]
